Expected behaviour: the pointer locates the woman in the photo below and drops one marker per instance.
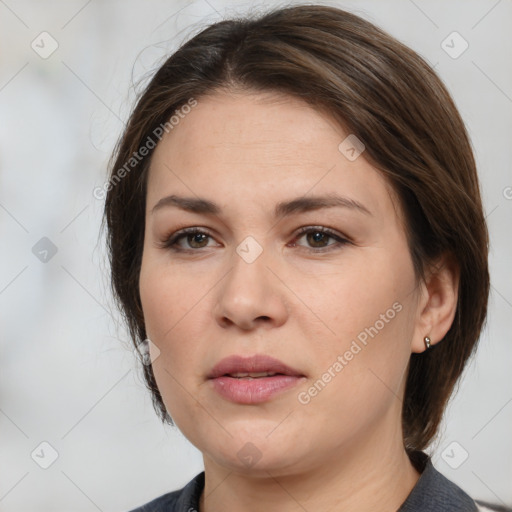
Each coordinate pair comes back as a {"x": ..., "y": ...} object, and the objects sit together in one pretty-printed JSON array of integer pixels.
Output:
[{"x": 298, "y": 243}]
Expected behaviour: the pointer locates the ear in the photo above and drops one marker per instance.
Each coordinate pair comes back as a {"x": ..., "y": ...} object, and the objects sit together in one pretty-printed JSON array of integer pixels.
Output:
[{"x": 437, "y": 303}]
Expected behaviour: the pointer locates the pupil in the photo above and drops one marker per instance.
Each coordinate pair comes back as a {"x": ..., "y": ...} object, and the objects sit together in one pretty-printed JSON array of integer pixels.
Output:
[
  {"x": 317, "y": 236},
  {"x": 197, "y": 238}
]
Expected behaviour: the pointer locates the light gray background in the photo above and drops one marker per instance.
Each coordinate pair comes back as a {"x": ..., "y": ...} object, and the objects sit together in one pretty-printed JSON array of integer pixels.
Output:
[{"x": 67, "y": 374}]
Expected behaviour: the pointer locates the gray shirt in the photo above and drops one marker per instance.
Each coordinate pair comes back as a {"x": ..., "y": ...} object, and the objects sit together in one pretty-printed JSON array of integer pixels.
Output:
[{"x": 433, "y": 492}]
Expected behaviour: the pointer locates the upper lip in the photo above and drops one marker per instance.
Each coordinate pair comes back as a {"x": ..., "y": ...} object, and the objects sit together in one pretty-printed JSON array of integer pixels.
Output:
[{"x": 253, "y": 364}]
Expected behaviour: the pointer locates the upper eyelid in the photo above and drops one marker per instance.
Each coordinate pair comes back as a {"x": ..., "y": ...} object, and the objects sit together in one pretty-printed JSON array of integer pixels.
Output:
[{"x": 324, "y": 229}]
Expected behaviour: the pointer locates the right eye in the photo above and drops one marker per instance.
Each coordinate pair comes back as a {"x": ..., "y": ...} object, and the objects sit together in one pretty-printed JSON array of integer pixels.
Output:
[{"x": 195, "y": 238}]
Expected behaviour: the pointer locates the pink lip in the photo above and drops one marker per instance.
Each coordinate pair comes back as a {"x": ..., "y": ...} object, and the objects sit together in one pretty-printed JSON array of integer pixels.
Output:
[{"x": 256, "y": 390}]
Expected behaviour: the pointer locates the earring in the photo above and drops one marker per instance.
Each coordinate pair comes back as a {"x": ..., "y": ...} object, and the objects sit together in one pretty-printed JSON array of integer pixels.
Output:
[{"x": 427, "y": 341}]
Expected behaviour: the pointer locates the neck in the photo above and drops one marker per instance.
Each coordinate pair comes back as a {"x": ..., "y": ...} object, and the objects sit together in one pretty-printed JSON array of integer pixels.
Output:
[{"x": 373, "y": 474}]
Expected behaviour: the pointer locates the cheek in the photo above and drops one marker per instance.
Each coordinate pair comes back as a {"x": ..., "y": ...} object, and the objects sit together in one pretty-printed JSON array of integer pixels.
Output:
[
  {"x": 175, "y": 322},
  {"x": 167, "y": 297},
  {"x": 172, "y": 322},
  {"x": 359, "y": 377},
  {"x": 367, "y": 313},
  {"x": 364, "y": 298}
]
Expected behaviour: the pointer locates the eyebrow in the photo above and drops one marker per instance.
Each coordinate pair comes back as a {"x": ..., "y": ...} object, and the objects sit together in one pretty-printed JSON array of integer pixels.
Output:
[{"x": 282, "y": 209}]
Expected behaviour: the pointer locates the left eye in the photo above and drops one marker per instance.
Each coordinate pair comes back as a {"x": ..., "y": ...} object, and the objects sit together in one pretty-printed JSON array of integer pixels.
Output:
[{"x": 318, "y": 237}]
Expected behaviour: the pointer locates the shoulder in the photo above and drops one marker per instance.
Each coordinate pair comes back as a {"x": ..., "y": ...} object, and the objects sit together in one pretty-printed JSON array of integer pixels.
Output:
[
  {"x": 166, "y": 502},
  {"x": 181, "y": 500},
  {"x": 434, "y": 492},
  {"x": 489, "y": 507}
]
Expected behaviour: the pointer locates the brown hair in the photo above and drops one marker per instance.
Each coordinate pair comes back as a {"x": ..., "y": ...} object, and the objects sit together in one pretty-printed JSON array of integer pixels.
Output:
[{"x": 377, "y": 89}]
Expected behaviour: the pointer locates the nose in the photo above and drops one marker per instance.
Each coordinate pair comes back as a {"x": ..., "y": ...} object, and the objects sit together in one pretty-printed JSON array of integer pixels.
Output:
[{"x": 251, "y": 295}]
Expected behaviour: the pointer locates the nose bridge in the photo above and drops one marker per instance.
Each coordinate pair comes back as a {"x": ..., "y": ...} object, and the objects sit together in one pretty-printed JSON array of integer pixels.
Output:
[
  {"x": 248, "y": 277},
  {"x": 250, "y": 290}
]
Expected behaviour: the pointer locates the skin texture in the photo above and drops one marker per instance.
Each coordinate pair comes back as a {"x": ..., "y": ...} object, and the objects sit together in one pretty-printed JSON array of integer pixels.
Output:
[{"x": 297, "y": 302}]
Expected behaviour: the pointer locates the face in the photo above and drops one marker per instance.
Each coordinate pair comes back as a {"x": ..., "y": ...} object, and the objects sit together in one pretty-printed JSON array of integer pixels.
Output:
[{"x": 295, "y": 263}]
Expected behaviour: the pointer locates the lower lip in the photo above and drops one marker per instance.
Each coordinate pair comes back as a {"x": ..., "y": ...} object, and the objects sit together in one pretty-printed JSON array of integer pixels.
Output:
[{"x": 253, "y": 391}]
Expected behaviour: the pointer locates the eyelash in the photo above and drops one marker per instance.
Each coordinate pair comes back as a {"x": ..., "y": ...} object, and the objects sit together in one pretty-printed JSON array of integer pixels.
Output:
[{"x": 171, "y": 241}]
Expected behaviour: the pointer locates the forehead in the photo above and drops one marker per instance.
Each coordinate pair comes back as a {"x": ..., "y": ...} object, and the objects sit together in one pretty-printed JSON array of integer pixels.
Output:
[
  {"x": 260, "y": 147},
  {"x": 258, "y": 124}
]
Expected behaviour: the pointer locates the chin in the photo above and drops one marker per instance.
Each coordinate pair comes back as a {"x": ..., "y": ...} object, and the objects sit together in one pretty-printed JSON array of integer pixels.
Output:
[{"x": 254, "y": 453}]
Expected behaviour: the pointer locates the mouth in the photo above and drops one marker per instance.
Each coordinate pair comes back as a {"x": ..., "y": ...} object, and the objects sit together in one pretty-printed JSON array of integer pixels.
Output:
[
  {"x": 252, "y": 375},
  {"x": 252, "y": 380}
]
